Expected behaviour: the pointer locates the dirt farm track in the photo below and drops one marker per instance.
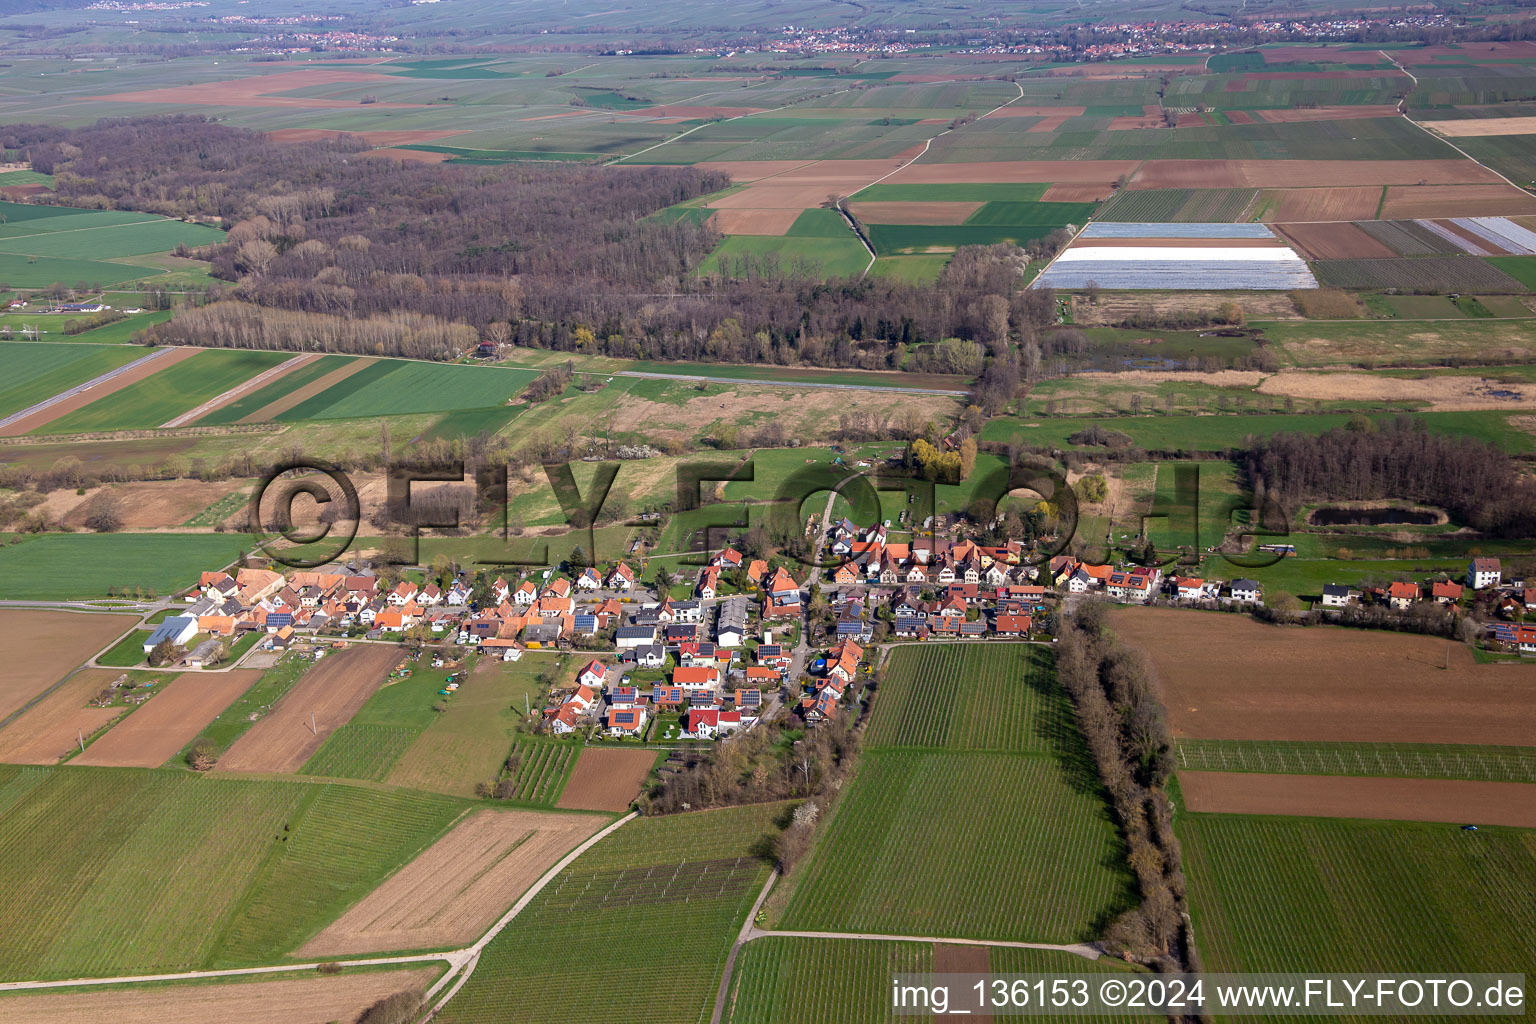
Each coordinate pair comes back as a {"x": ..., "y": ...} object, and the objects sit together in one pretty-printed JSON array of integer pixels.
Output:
[
  {"x": 1228, "y": 677},
  {"x": 331, "y": 692},
  {"x": 1342, "y": 796},
  {"x": 310, "y": 1000}
]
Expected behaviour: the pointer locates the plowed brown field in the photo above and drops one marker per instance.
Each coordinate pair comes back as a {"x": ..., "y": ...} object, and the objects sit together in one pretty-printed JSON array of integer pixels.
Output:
[
  {"x": 1077, "y": 193},
  {"x": 38, "y": 648},
  {"x": 755, "y": 222},
  {"x": 307, "y": 999},
  {"x": 914, "y": 213},
  {"x": 1342, "y": 241},
  {"x": 1324, "y": 114},
  {"x": 1070, "y": 171},
  {"x": 173, "y": 718},
  {"x": 1409, "y": 202},
  {"x": 1337, "y": 204},
  {"x": 1342, "y": 796},
  {"x": 454, "y": 891},
  {"x": 50, "y": 728},
  {"x": 331, "y": 692},
  {"x": 379, "y": 138},
  {"x": 1229, "y": 677},
  {"x": 606, "y": 779},
  {"x": 1024, "y": 110}
]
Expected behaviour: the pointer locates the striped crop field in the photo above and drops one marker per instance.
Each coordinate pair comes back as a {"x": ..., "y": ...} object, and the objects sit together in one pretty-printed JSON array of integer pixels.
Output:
[
  {"x": 36, "y": 371},
  {"x": 665, "y": 896},
  {"x": 1179, "y": 204},
  {"x": 786, "y": 980},
  {"x": 166, "y": 394},
  {"x": 393, "y": 387},
  {"x": 987, "y": 846},
  {"x": 1397, "y": 760},
  {"x": 542, "y": 768},
  {"x": 122, "y": 871},
  {"x": 1326, "y": 894},
  {"x": 971, "y": 697},
  {"x": 361, "y": 751}
]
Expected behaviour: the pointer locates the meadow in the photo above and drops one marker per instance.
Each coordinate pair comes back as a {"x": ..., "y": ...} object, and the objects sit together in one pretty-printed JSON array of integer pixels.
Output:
[
  {"x": 1313, "y": 894},
  {"x": 75, "y": 566},
  {"x": 766, "y": 255},
  {"x": 105, "y": 868},
  {"x": 672, "y": 890},
  {"x": 164, "y": 395},
  {"x": 36, "y": 371},
  {"x": 392, "y": 387}
]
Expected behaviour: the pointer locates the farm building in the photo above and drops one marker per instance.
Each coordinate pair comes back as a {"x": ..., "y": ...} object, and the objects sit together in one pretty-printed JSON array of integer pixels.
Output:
[{"x": 178, "y": 629}]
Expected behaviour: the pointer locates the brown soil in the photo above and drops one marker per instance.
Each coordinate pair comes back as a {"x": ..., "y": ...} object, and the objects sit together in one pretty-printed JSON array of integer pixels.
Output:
[
  {"x": 328, "y": 695},
  {"x": 1077, "y": 172},
  {"x": 755, "y": 222},
  {"x": 1316, "y": 76},
  {"x": 1135, "y": 122},
  {"x": 1048, "y": 124},
  {"x": 1342, "y": 241},
  {"x": 51, "y": 728},
  {"x": 1471, "y": 53},
  {"x": 38, "y": 648},
  {"x": 1322, "y": 114},
  {"x": 380, "y": 138},
  {"x": 1230, "y": 677},
  {"x": 815, "y": 409},
  {"x": 1322, "y": 204},
  {"x": 43, "y": 417},
  {"x": 262, "y": 90},
  {"x": 146, "y": 504},
  {"x": 308, "y": 391},
  {"x": 914, "y": 213},
  {"x": 1240, "y": 117},
  {"x": 552, "y": 117},
  {"x": 244, "y": 387},
  {"x": 771, "y": 195},
  {"x": 457, "y": 888},
  {"x": 606, "y": 779},
  {"x": 1342, "y": 796},
  {"x": 173, "y": 718},
  {"x": 751, "y": 170},
  {"x": 306, "y": 999},
  {"x": 1448, "y": 392},
  {"x": 1076, "y": 193},
  {"x": 949, "y": 958},
  {"x": 1021, "y": 110},
  {"x": 1305, "y": 173},
  {"x": 1410, "y": 202}
]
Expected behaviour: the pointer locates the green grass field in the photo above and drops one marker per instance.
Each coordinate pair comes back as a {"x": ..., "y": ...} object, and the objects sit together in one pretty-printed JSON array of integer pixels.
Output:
[
  {"x": 1315, "y": 894},
  {"x": 393, "y": 387},
  {"x": 72, "y": 566},
  {"x": 973, "y": 742},
  {"x": 127, "y": 652},
  {"x": 164, "y": 395},
  {"x": 918, "y": 270},
  {"x": 106, "y": 870},
  {"x": 669, "y": 890},
  {"x": 268, "y": 393},
  {"x": 996, "y": 221},
  {"x": 18, "y": 271},
  {"x": 36, "y": 371},
  {"x": 1398, "y": 760}
]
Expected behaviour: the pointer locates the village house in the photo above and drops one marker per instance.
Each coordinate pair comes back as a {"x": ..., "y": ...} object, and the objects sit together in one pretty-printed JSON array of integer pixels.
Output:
[
  {"x": 1337, "y": 595},
  {"x": 1448, "y": 592},
  {"x": 589, "y": 579},
  {"x": 593, "y": 673},
  {"x": 1483, "y": 573},
  {"x": 711, "y": 723},
  {"x": 621, "y": 578},
  {"x": 628, "y": 721},
  {"x": 526, "y": 593},
  {"x": 1401, "y": 595},
  {"x": 1247, "y": 591}
]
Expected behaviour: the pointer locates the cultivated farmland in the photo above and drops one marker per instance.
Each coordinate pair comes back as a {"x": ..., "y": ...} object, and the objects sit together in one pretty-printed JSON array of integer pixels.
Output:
[
  {"x": 1179, "y": 205},
  {"x": 162, "y": 396},
  {"x": 36, "y": 371},
  {"x": 1318, "y": 894},
  {"x": 1342, "y": 796},
  {"x": 395, "y": 387},
  {"x": 607, "y": 779},
  {"x": 1225, "y": 677},
  {"x": 327, "y": 697},
  {"x": 291, "y": 1000},
  {"x": 1434, "y": 274},
  {"x": 457, "y": 889},
  {"x": 1401, "y": 760},
  {"x": 39, "y": 647},
  {"x": 50, "y": 729},
  {"x": 173, "y": 718},
  {"x": 677, "y": 886}
]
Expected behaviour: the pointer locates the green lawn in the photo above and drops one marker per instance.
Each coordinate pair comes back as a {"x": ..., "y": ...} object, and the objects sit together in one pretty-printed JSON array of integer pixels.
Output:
[
  {"x": 167, "y": 393},
  {"x": 1327, "y": 895},
  {"x": 104, "y": 868},
  {"x": 72, "y": 566},
  {"x": 127, "y": 652}
]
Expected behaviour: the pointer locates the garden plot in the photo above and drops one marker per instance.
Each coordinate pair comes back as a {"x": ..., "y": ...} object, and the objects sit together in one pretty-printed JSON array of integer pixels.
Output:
[{"x": 1247, "y": 257}]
